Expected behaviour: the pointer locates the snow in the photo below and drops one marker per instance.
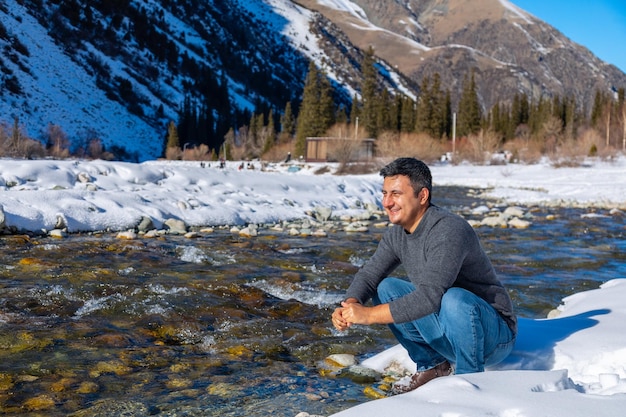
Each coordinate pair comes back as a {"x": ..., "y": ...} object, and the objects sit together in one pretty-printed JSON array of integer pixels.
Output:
[
  {"x": 572, "y": 364},
  {"x": 100, "y": 195},
  {"x": 345, "y": 6},
  {"x": 516, "y": 11},
  {"x": 592, "y": 184}
]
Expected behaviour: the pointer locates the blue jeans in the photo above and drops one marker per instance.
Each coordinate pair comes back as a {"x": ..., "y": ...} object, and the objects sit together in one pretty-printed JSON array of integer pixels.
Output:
[{"x": 467, "y": 331}]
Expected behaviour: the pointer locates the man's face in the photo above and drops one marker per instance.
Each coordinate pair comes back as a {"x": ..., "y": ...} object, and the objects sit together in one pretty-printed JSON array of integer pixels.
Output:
[{"x": 401, "y": 204}]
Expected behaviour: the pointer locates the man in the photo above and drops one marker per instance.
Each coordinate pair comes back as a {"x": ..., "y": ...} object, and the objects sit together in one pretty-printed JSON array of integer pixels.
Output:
[{"x": 452, "y": 310}]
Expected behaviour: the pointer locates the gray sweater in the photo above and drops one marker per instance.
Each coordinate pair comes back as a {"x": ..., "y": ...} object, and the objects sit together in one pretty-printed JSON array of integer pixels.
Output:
[{"x": 443, "y": 252}]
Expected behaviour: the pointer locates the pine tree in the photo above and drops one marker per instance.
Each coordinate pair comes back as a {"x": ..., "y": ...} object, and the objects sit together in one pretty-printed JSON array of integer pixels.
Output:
[
  {"x": 432, "y": 110},
  {"x": 395, "y": 113},
  {"x": 383, "y": 112},
  {"x": 470, "y": 114},
  {"x": 317, "y": 108},
  {"x": 341, "y": 117},
  {"x": 599, "y": 110},
  {"x": 436, "y": 123},
  {"x": 269, "y": 133},
  {"x": 287, "y": 121},
  {"x": 447, "y": 109},
  {"x": 369, "y": 118},
  {"x": 498, "y": 120},
  {"x": 516, "y": 113},
  {"x": 424, "y": 107},
  {"x": 524, "y": 109},
  {"x": 270, "y": 125},
  {"x": 538, "y": 114},
  {"x": 326, "y": 103},
  {"x": 407, "y": 115},
  {"x": 570, "y": 119},
  {"x": 307, "y": 117}
]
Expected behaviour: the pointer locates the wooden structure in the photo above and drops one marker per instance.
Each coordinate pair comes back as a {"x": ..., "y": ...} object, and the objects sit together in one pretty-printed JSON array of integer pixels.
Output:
[{"x": 331, "y": 149}]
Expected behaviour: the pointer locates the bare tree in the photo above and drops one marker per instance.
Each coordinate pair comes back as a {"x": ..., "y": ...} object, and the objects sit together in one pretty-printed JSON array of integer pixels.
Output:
[
  {"x": 343, "y": 145},
  {"x": 236, "y": 143},
  {"x": 551, "y": 132},
  {"x": 483, "y": 145},
  {"x": 57, "y": 139}
]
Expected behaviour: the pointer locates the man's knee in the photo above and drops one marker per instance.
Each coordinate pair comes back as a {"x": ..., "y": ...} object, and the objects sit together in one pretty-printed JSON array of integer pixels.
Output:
[
  {"x": 383, "y": 292},
  {"x": 457, "y": 303},
  {"x": 390, "y": 289}
]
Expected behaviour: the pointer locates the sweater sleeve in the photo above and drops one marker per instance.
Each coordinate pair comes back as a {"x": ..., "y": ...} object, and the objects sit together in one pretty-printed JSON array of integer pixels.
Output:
[{"x": 379, "y": 266}]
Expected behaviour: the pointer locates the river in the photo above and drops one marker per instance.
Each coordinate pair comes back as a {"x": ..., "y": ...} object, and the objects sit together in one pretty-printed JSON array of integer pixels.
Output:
[{"x": 223, "y": 325}]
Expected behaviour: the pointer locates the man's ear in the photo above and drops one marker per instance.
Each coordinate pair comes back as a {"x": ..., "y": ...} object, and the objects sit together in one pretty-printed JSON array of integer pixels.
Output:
[{"x": 425, "y": 194}]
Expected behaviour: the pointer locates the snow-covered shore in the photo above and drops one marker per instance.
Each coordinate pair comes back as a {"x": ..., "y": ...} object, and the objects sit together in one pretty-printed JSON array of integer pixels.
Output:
[{"x": 80, "y": 196}]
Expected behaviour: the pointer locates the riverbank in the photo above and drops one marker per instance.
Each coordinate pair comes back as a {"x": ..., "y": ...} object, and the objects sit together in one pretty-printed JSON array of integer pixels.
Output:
[{"x": 86, "y": 196}]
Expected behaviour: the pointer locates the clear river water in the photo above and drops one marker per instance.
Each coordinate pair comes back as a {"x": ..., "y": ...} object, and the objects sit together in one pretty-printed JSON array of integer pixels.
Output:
[{"x": 222, "y": 325}]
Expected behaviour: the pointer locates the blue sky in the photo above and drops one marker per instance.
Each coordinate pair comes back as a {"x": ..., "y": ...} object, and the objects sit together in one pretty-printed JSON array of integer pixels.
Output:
[{"x": 599, "y": 25}]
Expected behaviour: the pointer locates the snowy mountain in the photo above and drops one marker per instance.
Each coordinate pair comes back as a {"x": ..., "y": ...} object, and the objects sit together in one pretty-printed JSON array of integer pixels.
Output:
[{"x": 120, "y": 70}]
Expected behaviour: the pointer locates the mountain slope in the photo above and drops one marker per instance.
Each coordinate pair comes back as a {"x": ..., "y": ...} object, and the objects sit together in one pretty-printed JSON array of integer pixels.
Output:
[
  {"x": 51, "y": 88},
  {"x": 121, "y": 70}
]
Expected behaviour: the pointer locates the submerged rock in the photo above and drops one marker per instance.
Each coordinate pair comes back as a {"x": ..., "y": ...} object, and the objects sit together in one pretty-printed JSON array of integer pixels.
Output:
[
  {"x": 360, "y": 374},
  {"x": 250, "y": 231},
  {"x": 106, "y": 408},
  {"x": 39, "y": 403},
  {"x": 128, "y": 235},
  {"x": 341, "y": 360}
]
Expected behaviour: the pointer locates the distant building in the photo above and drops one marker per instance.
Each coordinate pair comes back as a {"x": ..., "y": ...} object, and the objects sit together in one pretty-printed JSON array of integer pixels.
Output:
[{"x": 334, "y": 149}]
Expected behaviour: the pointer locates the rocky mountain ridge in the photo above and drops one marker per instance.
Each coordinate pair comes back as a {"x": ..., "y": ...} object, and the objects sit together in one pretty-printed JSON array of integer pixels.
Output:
[{"x": 512, "y": 51}]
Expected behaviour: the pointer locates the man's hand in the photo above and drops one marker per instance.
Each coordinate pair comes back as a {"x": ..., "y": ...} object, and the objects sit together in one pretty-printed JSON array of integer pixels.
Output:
[
  {"x": 352, "y": 312},
  {"x": 339, "y": 320}
]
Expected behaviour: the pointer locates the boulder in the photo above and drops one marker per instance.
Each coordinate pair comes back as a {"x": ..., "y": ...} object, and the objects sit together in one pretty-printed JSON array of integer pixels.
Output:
[
  {"x": 175, "y": 226},
  {"x": 145, "y": 224},
  {"x": 494, "y": 221},
  {"x": 322, "y": 214}
]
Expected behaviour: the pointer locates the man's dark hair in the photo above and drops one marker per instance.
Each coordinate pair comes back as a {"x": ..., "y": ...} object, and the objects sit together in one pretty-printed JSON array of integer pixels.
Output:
[{"x": 417, "y": 171}]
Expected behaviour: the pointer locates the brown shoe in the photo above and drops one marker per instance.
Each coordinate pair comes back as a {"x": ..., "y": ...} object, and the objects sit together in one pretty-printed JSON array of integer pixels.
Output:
[{"x": 420, "y": 378}]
